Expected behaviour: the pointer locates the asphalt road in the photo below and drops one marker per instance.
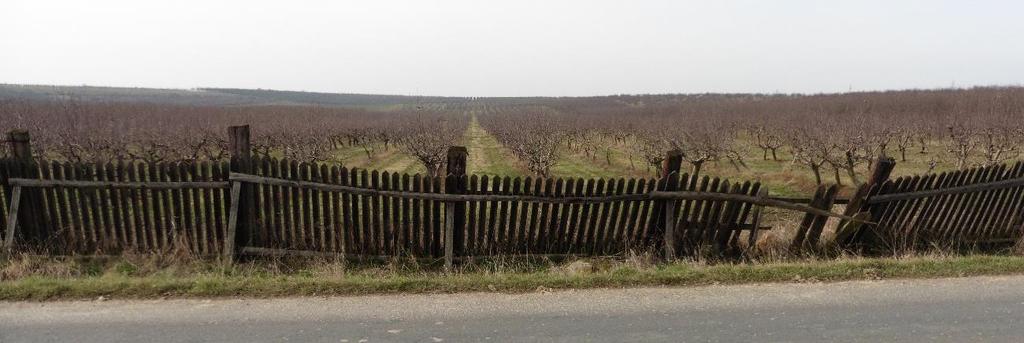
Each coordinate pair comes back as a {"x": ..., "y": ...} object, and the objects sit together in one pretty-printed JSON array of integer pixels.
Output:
[{"x": 989, "y": 309}]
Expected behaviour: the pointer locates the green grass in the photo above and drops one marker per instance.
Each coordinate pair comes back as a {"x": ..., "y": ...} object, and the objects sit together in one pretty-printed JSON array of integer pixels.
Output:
[
  {"x": 266, "y": 281},
  {"x": 392, "y": 159},
  {"x": 487, "y": 156},
  {"x": 781, "y": 177}
]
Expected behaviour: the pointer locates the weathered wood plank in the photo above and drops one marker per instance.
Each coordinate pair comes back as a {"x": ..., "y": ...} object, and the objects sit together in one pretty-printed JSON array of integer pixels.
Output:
[
  {"x": 418, "y": 228},
  {"x": 503, "y": 237},
  {"x": 561, "y": 245},
  {"x": 515, "y": 231},
  {"x": 437, "y": 230},
  {"x": 408, "y": 242},
  {"x": 229, "y": 239},
  {"x": 387, "y": 228},
  {"x": 631, "y": 230},
  {"x": 597, "y": 235},
  {"x": 12, "y": 220},
  {"x": 755, "y": 222},
  {"x": 611, "y": 221},
  {"x": 544, "y": 232},
  {"x": 817, "y": 226}
]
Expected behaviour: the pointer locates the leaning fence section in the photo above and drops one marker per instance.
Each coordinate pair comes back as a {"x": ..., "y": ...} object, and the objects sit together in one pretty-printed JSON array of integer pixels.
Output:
[{"x": 969, "y": 207}]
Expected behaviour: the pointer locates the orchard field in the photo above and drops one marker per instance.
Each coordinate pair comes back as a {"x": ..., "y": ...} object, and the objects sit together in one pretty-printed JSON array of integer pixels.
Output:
[{"x": 789, "y": 142}]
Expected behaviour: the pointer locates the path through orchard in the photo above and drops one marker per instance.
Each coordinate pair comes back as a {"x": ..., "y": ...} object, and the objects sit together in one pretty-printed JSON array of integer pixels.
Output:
[{"x": 487, "y": 155}]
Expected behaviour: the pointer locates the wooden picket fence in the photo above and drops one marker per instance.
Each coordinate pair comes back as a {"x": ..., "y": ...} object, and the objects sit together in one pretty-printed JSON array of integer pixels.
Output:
[{"x": 269, "y": 206}]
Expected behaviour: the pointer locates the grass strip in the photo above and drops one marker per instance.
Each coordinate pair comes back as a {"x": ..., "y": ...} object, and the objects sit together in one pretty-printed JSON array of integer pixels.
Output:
[{"x": 224, "y": 284}]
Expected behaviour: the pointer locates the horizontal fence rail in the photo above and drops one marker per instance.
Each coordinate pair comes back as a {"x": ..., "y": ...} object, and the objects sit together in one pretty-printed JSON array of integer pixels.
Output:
[
  {"x": 16, "y": 182},
  {"x": 1016, "y": 182},
  {"x": 652, "y": 195},
  {"x": 801, "y": 200}
]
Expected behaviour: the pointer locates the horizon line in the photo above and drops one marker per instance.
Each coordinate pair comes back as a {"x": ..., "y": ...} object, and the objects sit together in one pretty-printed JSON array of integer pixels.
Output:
[{"x": 774, "y": 93}]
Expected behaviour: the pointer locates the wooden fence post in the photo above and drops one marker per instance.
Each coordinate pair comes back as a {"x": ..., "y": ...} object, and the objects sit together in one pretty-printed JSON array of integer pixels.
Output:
[
  {"x": 241, "y": 162},
  {"x": 755, "y": 223},
  {"x": 232, "y": 229},
  {"x": 12, "y": 223},
  {"x": 880, "y": 171},
  {"x": 455, "y": 211},
  {"x": 666, "y": 222},
  {"x": 21, "y": 144},
  {"x": 24, "y": 166}
]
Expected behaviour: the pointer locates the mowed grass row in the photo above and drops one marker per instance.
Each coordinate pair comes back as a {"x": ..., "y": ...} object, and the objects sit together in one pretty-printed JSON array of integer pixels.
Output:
[
  {"x": 487, "y": 156},
  {"x": 392, "y": 159}
]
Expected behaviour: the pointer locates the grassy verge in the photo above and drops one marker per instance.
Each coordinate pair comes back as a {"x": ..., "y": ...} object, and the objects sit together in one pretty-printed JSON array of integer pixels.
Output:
[{"x": 124, "y": 279}]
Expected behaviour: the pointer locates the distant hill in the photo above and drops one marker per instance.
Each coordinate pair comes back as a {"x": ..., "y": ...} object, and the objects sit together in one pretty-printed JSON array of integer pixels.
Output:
[
  {"x": 332, "y": 99},
  {"x": 212, "y": 96},
  {"x": 258, "y": 97},
  {"x": 123, "y": 94}
]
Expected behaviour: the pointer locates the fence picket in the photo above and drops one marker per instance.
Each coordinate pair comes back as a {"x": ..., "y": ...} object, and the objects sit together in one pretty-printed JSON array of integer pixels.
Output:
[
  {"x": 617, "y": 221},
  {"x": 503, "y": 232},
  {"x": 437, "y": 222},
  {"x": 592, "y": 216}
]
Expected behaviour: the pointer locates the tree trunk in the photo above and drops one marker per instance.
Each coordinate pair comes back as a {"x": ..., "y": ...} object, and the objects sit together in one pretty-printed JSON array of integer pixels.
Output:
[
  {"x": 765, "y": 155},
  {"x": 835, "y": 172},
  {"x": 774, "y": 158},
  {"x": 850, "y": 165},
  {"x": 817, "y": 173},
  {"x": 434, "y": 170}
]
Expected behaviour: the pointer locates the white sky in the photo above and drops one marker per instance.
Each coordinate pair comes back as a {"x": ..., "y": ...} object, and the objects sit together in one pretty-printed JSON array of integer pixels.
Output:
[{"x": 514, "y": 48}]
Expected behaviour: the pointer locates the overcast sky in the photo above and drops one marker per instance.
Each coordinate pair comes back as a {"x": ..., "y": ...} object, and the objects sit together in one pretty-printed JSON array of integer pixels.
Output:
[{"x": 514, "y": 48}]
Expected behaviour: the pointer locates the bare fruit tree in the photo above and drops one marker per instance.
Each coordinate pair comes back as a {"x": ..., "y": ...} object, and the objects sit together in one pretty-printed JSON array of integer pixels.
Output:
[{"x": 428, "y": 137}]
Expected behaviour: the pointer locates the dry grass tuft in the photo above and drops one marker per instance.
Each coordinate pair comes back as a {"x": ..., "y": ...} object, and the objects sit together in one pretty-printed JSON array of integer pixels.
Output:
[{"x": 23, "y": 266}]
